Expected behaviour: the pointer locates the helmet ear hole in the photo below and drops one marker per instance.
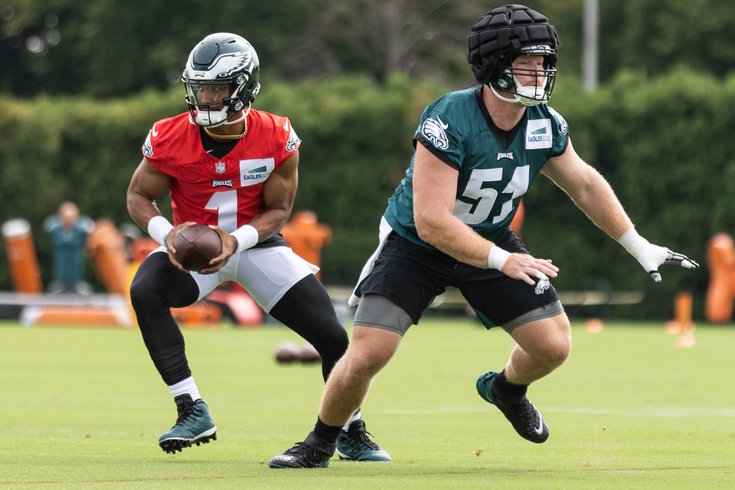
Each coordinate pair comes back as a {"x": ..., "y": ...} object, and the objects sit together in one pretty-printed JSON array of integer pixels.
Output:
[{"x": 505, "y": 81}]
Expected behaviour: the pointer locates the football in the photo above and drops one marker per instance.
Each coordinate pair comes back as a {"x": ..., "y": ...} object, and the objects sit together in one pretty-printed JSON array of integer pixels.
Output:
[
  {"x": 308, "y": 354},
  {"x": 196, "y": 245},
  {"x": 286, "y": 352}
]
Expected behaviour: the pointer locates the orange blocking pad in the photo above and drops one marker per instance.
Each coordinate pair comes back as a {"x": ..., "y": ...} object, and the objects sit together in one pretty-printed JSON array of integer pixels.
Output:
[
  {"x": 721, "y": 289},
  {"x": 22, "y": 256},
  {"x": 682, "y": 321},
  {"x": 69, "y": 309},
  {"x": 82, "y": 316},
  {"x": 197, "y": 315}
]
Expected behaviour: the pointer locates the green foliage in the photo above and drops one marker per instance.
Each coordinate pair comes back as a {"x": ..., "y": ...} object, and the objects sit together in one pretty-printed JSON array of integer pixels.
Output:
[
  {"x": 357, "y": 141},
  {"x": 71, "y": 148},
  {"x": 662, "y": 142},
  {"x": 111, "y": 48}
]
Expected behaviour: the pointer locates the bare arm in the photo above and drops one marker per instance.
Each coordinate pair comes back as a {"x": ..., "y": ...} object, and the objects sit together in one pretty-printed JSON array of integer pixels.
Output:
[
  {"x": 435, "y": 189},
  {"x": 146, "y": 185},
  {"x": 589, "y": 191},
  {"x": 279, "y": 193},
  {"x": 594, "y": 196}
]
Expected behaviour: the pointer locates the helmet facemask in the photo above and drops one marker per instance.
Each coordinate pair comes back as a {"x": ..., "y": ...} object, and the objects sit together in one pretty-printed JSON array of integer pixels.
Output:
[
  {"x": 529, "y": 95},
  {"x": 211, "y": 103}
]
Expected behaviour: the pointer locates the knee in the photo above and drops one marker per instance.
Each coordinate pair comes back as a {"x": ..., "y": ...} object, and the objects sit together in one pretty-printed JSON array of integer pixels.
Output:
[
  {"x": 558, "y": 345},
  {"x": 557, "y": 353},
  {"x": 142, "y": 296},
  {"x": 333, "y": 340},
  {"x": 549, "y": 341},
  {"x": 330, "y": 350},
  {"x": 139, "y": 293},
  {"x": 330, "y": 340},
  {"x": 360, "y": 366},
  {"x": 366, "y": 363}
]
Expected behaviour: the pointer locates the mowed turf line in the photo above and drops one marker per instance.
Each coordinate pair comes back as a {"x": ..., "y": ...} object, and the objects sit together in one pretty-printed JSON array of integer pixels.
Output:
[{"x": 83, "y": 408}]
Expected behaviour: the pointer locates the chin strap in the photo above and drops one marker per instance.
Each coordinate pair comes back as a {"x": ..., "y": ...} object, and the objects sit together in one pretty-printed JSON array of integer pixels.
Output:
[
  {"x": 526, "y": 95},
  {"x": 243, "y": 115},
  {"x": 203, "y": 118}
]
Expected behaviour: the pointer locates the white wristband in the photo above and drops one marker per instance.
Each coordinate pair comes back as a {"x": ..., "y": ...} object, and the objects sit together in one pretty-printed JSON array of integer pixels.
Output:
[
  {"x": 246, "y": 236},
  {"x": 497, "y": 257},
  {"x": 159, "y": 228},
  {"x": 633, "y": 242}
]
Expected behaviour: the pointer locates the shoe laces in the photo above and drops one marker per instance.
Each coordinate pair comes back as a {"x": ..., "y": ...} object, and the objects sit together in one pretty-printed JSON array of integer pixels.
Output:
[
  {"x": 526, "y": 413},
  {"x": 302, "y": 450},
  {"x": 358, "y": 435},
  {"x": 186, "y": 409},
  {"x": 529, "y": 411},
  {"x": 298, "y": 449}
]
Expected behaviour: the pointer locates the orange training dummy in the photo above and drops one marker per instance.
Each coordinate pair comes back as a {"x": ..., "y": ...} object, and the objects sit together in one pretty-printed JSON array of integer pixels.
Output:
[
  {"x": 721, "y": 290},
  {"x": 306, "y": 236}
]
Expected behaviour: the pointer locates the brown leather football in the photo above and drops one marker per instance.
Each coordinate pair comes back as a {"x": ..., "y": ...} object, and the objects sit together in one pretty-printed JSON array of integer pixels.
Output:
[
  {"x": 196, "y": 245},
  {"x": 309, "y": 354}
]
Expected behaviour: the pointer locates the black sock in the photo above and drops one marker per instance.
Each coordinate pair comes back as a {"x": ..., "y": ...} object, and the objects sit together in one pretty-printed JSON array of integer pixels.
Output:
[
  {"x": 507, "y": 391},
  {"x": 325, "y": 432}
]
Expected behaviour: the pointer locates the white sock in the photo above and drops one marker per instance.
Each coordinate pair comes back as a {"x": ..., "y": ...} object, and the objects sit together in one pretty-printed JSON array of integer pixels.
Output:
[
  {"x": 186, "y": 387},
  {"x": 355, "y": 416}
]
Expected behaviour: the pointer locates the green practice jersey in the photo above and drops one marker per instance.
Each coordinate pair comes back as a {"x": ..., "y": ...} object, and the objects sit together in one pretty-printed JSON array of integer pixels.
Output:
[{"x": 495, "y": 168}]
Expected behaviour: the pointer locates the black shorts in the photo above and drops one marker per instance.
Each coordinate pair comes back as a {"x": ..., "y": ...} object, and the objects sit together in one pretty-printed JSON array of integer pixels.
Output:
[{"x": 411, "y": 276}]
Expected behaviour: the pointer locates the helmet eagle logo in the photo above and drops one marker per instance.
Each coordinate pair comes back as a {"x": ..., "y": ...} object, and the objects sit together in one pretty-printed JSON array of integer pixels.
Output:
[{"x": 232, "y": 63}]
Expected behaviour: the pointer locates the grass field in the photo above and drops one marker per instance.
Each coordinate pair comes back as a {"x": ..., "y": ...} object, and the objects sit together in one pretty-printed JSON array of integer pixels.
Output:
[{"x": 83, "y": 408}]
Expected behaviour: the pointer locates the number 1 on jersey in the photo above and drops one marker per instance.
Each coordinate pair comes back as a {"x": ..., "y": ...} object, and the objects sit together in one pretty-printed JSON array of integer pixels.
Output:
[{"x": 225, "y": 203}]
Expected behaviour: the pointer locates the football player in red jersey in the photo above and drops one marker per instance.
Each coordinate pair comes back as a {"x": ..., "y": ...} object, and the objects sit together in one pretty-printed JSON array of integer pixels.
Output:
[{"x": 234, "y": 168}]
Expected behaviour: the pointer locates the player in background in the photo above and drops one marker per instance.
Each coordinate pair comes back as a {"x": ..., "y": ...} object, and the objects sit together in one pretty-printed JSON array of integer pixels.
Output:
[
  {"x": 476, "y": 153},
  {"x": 226, "y": 165},
  {"x": 68, "y": 232}
]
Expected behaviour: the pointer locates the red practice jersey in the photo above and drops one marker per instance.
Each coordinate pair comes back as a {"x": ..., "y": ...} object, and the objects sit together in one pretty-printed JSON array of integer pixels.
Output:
[{"x": 225, "y": 191}]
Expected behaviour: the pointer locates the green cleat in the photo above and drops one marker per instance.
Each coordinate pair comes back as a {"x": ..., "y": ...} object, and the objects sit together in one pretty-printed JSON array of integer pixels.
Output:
[
  {"x": 354, "y": 444},
  {"x": 193, "y": 426},
  {"x": 523, "y": 416}
]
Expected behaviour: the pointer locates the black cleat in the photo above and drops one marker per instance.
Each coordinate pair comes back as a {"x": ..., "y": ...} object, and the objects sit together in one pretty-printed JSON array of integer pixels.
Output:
[
  {"x": 312, "y": 453},
  {"x": 523, "y": 416}
]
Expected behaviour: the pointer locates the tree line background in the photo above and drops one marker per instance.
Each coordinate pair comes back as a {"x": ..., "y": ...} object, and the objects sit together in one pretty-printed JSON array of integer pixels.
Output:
[{"x": 81, "y": 83}]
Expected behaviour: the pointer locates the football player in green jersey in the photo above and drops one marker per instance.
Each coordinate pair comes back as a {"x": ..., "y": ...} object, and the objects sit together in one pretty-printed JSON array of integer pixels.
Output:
[{"x": 477, "y": 152}]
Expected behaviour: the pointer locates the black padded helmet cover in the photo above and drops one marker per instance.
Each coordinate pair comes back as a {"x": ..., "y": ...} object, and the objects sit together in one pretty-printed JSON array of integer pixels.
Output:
[{"x": 499, "y": 36}]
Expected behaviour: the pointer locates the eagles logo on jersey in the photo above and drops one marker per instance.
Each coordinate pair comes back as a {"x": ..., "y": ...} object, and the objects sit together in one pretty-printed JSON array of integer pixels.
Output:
[
  {"x": 434, "y": 131},
  {"x": 293, "y": 139},
  {"x": 147, "y": 148}
]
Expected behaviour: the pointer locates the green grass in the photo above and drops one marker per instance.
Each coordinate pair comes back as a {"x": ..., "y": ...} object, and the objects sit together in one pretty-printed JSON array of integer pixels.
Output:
[{"x": 84, "y": 407}]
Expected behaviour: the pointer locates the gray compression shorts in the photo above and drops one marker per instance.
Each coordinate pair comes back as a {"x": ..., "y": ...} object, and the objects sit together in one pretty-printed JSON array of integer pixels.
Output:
[{"x": 379, "y": 312}]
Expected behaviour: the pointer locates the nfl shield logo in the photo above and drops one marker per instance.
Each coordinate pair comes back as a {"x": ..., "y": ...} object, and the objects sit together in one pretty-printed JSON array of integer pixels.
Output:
[{"x": 219, "y": 167}]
